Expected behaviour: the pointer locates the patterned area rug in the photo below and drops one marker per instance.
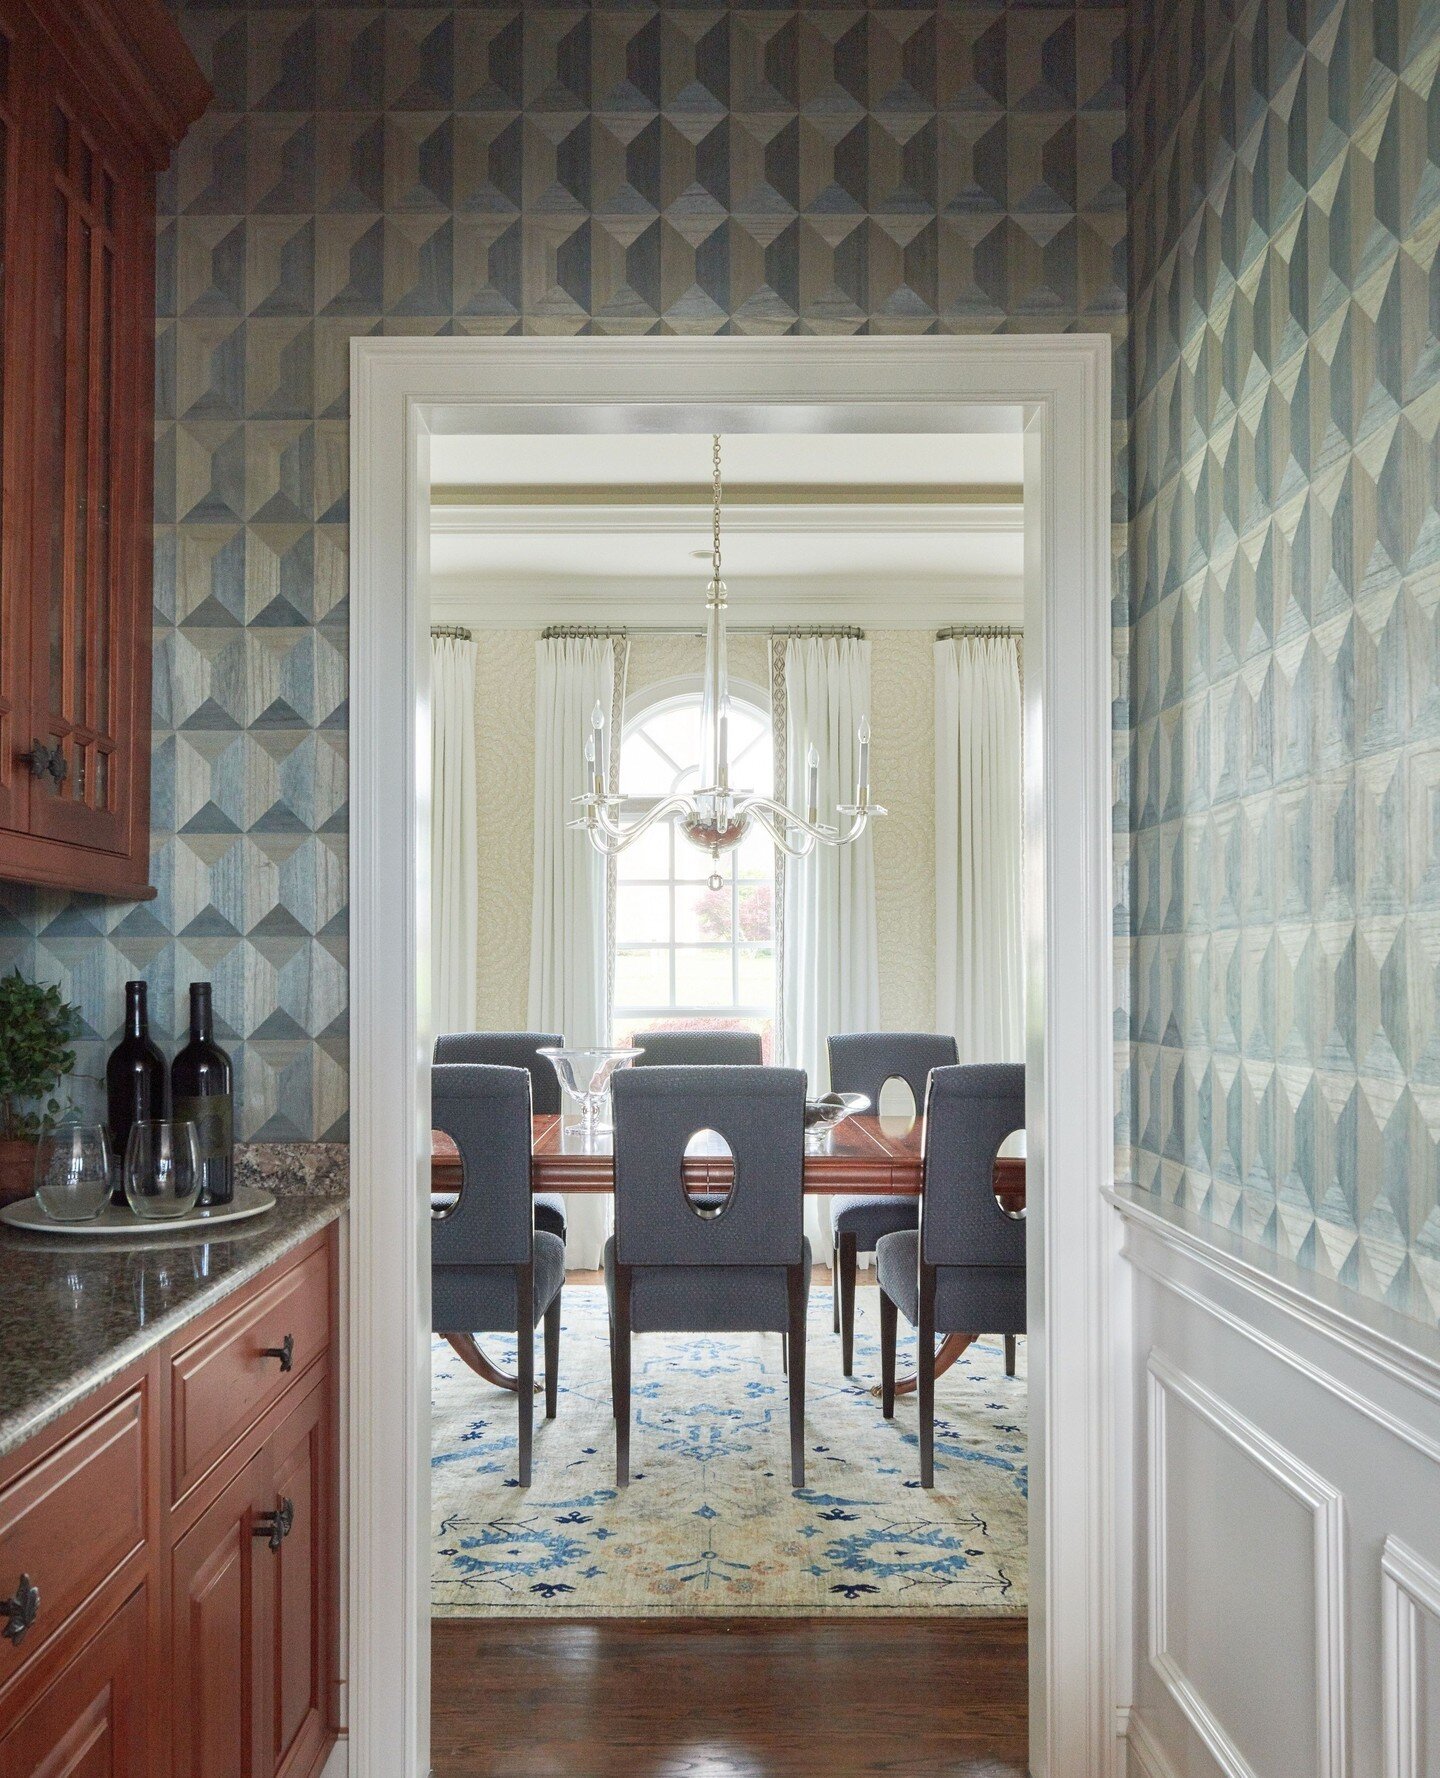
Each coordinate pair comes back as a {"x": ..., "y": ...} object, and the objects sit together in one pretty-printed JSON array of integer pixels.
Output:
[{"x": 709, "y": 1522}]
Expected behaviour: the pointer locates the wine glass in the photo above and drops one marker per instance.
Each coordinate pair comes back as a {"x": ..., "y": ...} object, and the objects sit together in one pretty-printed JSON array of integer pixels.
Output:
[
  {"x": 72, "y": 1171},
  {"x": 162, "y": 1167}
]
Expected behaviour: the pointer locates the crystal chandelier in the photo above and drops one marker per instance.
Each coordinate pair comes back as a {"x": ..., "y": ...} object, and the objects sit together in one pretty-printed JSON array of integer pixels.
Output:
[{"x": 716, "y": 816}]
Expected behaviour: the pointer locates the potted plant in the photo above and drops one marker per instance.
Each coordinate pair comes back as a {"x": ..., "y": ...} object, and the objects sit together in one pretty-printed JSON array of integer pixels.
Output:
[{"x": 36, "y": 1028}]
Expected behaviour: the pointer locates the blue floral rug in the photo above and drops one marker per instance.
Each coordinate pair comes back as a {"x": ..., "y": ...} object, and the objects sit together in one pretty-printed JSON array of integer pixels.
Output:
[{"x": 709, "y": 1522}]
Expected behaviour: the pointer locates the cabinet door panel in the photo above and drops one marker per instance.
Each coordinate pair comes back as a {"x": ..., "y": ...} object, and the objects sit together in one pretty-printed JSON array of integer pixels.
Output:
[
  {"x": 299, "y": 1627},
  {"x": 92, "y": 1720},
  {"x": 221, "y": 1597},
  {"x": 84, "y": 613},
  {"x": 17, "y": 44}
]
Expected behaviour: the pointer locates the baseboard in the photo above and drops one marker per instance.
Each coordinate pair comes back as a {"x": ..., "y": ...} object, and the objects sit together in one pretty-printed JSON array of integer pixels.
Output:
[{"x": 1147, "y": 1759}]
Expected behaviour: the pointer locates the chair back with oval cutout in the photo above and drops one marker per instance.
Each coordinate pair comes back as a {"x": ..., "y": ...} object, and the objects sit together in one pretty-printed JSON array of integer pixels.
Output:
[
  {"x": 969, "y": 1112},
  {"x": 510, "y": 1049},
  {"x": 863, "y": 1061},
  {"x": 698, "y": 1049},
  {"x": 485, "y": 1110},
  {"x": 759, "y": 1113}
]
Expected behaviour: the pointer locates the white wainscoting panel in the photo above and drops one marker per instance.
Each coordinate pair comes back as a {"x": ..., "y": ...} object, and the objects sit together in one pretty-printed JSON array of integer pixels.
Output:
[
  {"x": 1286, "y": 1499},
  {"x": 1227, "y": 1503},
  {"x": 1410, "y": 1590}
]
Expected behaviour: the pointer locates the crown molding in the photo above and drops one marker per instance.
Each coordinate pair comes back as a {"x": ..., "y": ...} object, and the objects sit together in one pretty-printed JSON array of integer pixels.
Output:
[
  {"x": 532, "y": 602},
  {"x": 568, "y": 518},
  {"x": 737, "y": 494}
]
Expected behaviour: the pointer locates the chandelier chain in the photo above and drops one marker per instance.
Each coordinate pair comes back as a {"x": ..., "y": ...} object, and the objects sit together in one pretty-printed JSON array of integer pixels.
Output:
[{"x": 715, "y": 531}]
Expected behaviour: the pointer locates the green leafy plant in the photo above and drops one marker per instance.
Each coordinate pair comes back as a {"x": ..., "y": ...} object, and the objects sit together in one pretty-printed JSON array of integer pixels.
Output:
[{"x": 36, "y": 1029}]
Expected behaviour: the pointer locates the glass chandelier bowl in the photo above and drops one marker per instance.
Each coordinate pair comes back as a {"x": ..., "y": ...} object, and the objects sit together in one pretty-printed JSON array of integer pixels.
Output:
[
  {"x": 585, "y": 1075},
  {"x": 715, "y": 816}
]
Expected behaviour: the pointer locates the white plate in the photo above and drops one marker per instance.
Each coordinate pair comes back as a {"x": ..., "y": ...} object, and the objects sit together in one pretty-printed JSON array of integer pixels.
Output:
[{"x": 116, "y": 1219}]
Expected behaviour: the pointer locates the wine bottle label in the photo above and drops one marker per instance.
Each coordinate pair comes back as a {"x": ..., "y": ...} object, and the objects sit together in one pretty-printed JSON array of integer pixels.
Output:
[{"x": 213, "y": 1117}]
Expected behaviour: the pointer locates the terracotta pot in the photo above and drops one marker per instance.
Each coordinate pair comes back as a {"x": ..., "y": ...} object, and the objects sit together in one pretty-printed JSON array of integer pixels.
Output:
[{"x": 17, "y": 1168}]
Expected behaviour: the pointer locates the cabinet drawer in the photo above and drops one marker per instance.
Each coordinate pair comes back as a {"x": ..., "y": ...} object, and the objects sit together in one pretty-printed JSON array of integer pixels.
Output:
[
  {"x": 223, "y": 1382},
  {"x": 69, "y": 1521}
]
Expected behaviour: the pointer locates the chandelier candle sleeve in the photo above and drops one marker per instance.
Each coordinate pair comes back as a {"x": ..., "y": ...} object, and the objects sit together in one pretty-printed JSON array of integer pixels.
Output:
[{"x": 714, "y": 816}]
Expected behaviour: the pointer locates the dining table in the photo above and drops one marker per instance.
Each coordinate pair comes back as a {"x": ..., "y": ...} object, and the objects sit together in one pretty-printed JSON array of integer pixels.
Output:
[{"x": 874, "y": 1155}]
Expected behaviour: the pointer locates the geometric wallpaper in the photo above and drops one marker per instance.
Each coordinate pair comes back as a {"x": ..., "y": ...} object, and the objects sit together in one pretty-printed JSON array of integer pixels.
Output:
[
  {"x": 1285, "y": 566},
  {"x": 611, "y": 168}
]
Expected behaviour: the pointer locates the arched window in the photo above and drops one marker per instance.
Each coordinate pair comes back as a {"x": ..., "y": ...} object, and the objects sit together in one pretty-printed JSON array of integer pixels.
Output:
[{"x": 685, "y": 954}]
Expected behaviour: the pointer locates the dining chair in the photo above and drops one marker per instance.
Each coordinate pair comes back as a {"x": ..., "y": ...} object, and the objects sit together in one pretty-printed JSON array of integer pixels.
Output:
[
  {"x": 491, "y": 1269},
  {"x": 517, "y": 1049},
  {"x": 678, "y": 1265},
  {"x": 862, "y": 1063},
  {"x": 698, "y": 1049},
  {"x": 963, "y": 1268}
]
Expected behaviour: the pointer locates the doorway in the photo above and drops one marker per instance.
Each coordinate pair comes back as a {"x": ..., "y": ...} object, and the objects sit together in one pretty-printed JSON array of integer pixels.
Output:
[{"x": 407, "y": 393}]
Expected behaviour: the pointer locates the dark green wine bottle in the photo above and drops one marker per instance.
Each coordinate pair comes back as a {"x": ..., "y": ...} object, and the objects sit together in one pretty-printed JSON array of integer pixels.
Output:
[
  {"x": 134, "y": 1083},
  {"x": 202, "y": 1093}
]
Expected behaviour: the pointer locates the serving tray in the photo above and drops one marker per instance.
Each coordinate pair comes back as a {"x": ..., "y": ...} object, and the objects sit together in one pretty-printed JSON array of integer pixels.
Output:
[{"x": 117, "y": 1219}]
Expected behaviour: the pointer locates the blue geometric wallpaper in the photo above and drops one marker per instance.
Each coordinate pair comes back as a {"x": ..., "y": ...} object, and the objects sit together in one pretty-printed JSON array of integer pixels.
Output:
[
  {"x": 1285, "y": 560},
  {"x": 604, "y": 168}
]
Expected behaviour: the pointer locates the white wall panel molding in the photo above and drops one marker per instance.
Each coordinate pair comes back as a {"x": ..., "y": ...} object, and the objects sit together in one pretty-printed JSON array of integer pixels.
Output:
[
  {"x": 1410, "y": 1609},
  {"x": 1147, "y": 1758},
  {"x": 1169, "y": 1388}
]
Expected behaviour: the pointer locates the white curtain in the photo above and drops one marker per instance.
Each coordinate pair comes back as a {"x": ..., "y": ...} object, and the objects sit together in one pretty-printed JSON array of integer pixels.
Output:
[
  {"x": 978, "y": 832},
  {"x": 454, "y": 857},
  {"x": 567, "y": 929},
  {"x": 830, "y": 965}
]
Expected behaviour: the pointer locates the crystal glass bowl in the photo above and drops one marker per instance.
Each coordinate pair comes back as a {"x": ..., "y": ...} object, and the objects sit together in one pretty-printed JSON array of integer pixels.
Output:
[
  {"x": 585, "y": 1075},
  {"x": 825, "y": 1113}
]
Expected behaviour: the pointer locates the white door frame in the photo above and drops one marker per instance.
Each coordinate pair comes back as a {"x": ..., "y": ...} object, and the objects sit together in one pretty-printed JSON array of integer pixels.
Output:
[{"x": 402, "y": 391}]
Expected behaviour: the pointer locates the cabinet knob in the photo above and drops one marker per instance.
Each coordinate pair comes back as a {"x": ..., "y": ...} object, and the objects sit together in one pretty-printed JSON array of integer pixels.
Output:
[
  {"x": 285, "y": 1352},
  {"x": 21, "y": 1610},
  {"x": 47, "y": 762},
  {"x": 276, "y": 1526}
]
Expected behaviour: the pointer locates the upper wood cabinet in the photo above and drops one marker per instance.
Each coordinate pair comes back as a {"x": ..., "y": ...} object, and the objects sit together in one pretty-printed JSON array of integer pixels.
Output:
[{"x": 94, "y": 97}]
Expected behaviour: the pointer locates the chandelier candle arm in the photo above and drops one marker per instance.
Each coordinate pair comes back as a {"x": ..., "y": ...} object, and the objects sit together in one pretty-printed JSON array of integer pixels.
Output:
[{"x": 713, "y": 816}]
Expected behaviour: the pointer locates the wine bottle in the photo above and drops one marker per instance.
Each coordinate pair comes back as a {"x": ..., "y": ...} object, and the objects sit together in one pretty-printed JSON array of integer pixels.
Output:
[
  {"x": 134, "y": 1083},
  {"x": 201, "y": 1093}
]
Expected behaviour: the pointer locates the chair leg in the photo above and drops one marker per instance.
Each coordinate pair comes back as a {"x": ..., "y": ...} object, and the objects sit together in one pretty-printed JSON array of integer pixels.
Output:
[
  {"x": 849, "y": 1265},
  {"x": 796, "y": 1279},
  {"x": 835, "y": 1280},
  {"x": 552, "y": 1356},
  {"x": 622, "y": 1376},
  {"x": 1009, "y": 1355},
  {"x": 785, "y": 1354},
  {"x": 925, "y": 1362},
  {"x": 614, "y": 1375},
  {"x": 889, "y": 1327},
  {"x": 525, "y": 1364}
]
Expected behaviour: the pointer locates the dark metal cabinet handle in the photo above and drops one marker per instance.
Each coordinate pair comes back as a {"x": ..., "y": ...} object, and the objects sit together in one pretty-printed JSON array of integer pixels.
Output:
[
  {"x": 285, "y": 1352},
  {"x": 21, "y": 1610},
  {"x": 46, "y": 762},
  {"x": 276, "y": 1526}
]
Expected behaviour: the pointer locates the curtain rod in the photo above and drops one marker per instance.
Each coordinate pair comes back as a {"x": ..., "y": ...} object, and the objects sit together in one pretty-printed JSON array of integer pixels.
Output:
[
  {"x": 454, "y": 632},
  {"x": 556, "y": 632},
  {"x": 956, "y": 631}
]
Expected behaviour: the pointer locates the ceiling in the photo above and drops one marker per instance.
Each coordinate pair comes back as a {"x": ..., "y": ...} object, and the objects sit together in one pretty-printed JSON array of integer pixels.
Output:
[{"x": 914, "y": 529}]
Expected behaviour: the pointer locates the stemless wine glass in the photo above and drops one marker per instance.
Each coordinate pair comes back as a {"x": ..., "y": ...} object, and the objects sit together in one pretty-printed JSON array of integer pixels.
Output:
[
  {"x": 72, "y": 1171},
  {"x": 162, "y": 1167}
]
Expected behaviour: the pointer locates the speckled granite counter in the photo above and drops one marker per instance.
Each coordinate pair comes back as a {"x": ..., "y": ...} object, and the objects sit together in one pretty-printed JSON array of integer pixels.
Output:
[{"x": 74, "y": 1312}]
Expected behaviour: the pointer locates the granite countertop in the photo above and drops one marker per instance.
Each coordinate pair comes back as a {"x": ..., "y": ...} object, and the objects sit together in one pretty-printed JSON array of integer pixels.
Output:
[{"x": 74, "y": 1312}]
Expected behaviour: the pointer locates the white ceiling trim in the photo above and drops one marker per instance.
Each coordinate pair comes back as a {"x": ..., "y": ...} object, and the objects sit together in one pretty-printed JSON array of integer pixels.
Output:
[
  {"x": 956, "y": 520},
  {"x": 919, "y": 603}
]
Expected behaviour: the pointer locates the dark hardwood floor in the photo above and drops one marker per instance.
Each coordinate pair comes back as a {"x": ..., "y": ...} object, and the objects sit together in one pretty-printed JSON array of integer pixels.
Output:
[{"x": 737, "y": 1698}]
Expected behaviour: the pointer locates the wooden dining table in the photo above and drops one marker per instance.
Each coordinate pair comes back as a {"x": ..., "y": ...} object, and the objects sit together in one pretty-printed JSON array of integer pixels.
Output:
[{"x": 879, "y": 1156}]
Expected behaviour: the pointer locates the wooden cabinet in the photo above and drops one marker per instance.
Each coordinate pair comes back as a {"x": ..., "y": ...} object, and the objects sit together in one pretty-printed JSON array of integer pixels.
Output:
[
  {"x": 94, "y": 96},
  {"x": 92, "y": 1720},
  {"x": 185, "y": 1616}
]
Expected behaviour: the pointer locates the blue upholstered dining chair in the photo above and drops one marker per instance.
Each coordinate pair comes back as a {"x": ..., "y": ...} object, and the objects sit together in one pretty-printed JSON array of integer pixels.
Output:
[
  {"x": 863, "y": 1063},
  {"x": 698, "y": 1049},
  {"x": 676, "y": 1265},
  {"x": 517, "y": 1049},
  {"x": 963, "y": 1269},
  {"x": 491, "y": 1269}
]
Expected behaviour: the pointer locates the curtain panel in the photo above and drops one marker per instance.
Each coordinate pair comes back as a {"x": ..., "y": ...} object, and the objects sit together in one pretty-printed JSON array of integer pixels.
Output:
[
  {"x": 454, "y": 854},
  {"x": 830, "y": 963},
  {"x": 979, "y": 931},
  {"x": 569, "y": 937}
]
